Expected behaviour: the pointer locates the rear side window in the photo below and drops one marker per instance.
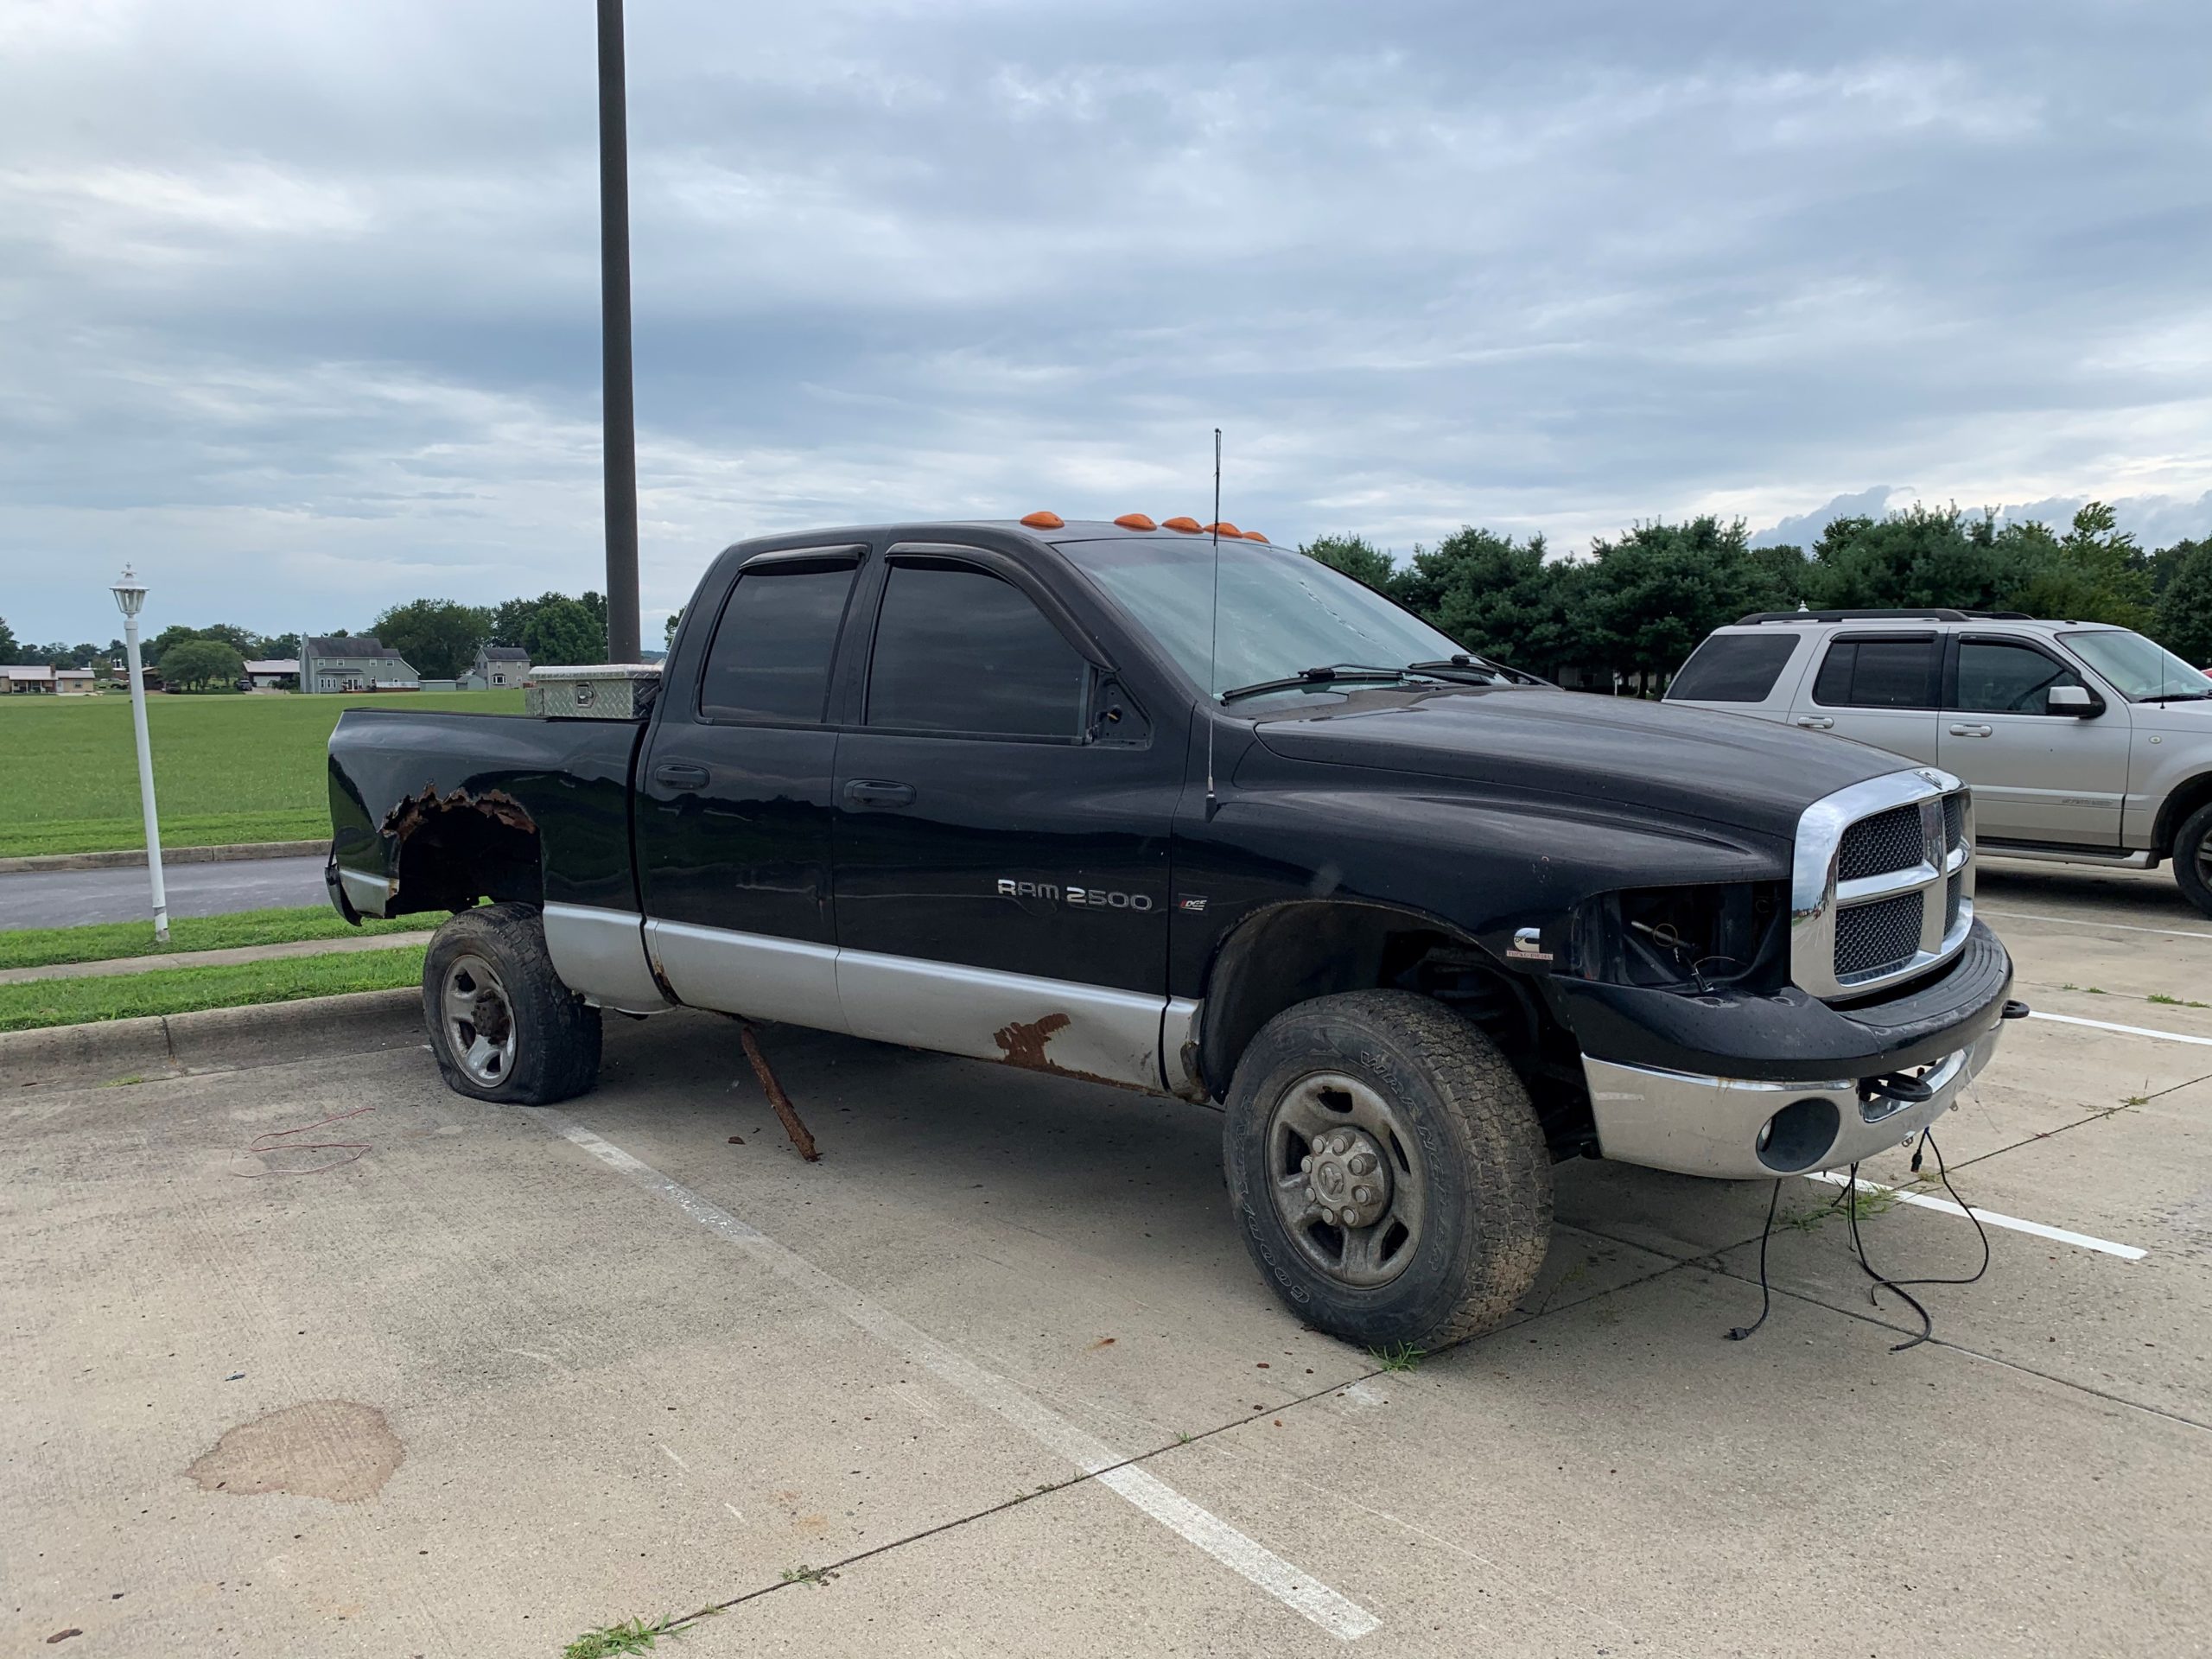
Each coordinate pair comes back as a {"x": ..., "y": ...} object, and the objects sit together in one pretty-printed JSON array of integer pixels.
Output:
[
  {"x": 769, "y": 657},
  {"x": 957, "y": 650},
  {"x": 1733, "y": 668},
  {"x": 1878, "y": 674}
]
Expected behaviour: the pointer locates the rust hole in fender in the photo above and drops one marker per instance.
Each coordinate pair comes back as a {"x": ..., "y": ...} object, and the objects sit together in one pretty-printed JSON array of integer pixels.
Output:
[{"x": 413, "y": 811}]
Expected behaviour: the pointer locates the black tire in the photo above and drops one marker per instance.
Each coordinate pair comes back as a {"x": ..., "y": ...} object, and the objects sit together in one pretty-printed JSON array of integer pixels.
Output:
[
  {"x": 1463, "y": 1148},
  {"x": 502, "y": 1025},
  {"x": 2193, "y": 858}
]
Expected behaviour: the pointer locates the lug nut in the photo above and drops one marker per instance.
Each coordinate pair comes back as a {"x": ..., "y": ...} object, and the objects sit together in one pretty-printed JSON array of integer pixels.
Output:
[
  {"x": 1307, "y": 1163},
  {"x": 1364, "y": 1164},
  {"x": 1362, "y": 1195},
  {"x": 1309, "y": 1195},
  {"x": 1341, "y": 1145}
]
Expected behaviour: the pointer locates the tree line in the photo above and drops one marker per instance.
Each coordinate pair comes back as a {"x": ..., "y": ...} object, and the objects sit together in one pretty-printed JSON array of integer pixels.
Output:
[{"x": 1642, "y": 601}]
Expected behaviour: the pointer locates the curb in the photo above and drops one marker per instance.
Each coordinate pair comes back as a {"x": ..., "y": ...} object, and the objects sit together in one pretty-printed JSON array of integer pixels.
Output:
[
  {"x": 229, "y": 956},
  {"x": 213, "y": 1039},
  {"x": 237, "y": 853}
]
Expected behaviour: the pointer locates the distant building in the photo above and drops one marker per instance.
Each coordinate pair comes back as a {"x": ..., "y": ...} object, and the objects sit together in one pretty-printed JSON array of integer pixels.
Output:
[
  {"x": 356, "y": 662},
  {"x": 31, "y": 680},
  {"x": 496, "y": 665},
  {"x": 75, "y": 681},
  {"x": 274, "y": 674}
]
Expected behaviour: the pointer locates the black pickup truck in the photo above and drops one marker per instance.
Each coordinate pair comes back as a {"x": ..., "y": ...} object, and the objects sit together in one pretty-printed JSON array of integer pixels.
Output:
[{"x": 1423, "y": 926}]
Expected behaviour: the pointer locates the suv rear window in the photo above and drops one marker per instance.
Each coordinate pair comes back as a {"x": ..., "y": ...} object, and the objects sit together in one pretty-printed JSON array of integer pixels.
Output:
[
  {"x": 1878, "y": 674},
  {"x": 1733, "y": 668}
]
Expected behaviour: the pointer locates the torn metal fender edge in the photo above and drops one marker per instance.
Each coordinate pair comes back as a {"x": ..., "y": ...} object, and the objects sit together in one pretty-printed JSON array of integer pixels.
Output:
[{"x": 413, "y": 811}]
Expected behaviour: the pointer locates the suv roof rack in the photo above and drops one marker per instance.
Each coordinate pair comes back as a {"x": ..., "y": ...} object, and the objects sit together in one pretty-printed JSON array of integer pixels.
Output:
[{"x": 1933, "y": 614}]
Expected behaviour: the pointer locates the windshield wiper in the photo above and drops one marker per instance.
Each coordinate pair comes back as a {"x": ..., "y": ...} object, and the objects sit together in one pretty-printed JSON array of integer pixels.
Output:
[{"x": 1327, "y": 674}]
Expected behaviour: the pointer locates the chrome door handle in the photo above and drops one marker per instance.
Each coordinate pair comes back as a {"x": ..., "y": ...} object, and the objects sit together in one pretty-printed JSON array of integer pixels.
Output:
[
  {"x": 1814, "y": 722},
  {"x": 1969, "y": 730}
]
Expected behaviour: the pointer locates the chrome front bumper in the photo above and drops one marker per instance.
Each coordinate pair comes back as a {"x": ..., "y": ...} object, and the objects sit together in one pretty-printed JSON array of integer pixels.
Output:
[{"x": 1719, "y": 1125}]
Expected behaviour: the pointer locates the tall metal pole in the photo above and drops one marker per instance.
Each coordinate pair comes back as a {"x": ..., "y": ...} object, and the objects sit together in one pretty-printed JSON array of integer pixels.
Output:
[
  {"x": 130, "y": 595},
  {"x": 618, "y": 411}
]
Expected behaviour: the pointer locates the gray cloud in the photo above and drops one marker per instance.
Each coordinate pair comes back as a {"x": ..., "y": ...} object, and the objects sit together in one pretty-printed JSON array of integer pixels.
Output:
[{"x": 299, "y": 306}]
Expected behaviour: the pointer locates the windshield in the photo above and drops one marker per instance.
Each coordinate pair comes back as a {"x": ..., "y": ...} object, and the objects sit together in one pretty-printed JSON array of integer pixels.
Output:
[
  {"x": 1280, "y": 612},
  {"x": 2139, "y": 670}
]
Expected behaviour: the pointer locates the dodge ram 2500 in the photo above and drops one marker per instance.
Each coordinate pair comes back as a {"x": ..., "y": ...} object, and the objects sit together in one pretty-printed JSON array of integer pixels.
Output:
[{"x": 1420, "y": 925}]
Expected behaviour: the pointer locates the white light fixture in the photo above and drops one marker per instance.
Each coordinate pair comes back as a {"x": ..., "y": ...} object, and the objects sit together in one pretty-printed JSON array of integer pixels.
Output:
[{"x": 129, "y": 594}]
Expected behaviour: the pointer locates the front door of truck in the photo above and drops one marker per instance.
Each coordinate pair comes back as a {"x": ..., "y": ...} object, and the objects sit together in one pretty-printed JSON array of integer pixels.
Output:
[
  {"x": 1002, "y": 827},
  {"x": 733, "y": 800},
  {"x": 2038, "y": 774}
]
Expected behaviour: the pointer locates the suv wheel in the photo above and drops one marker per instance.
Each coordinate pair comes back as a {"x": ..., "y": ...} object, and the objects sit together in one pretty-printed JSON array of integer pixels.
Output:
[
  {"x": 1387, "y": 1170},
  {"x": 2193, "y": 858},
  {"x": 502, "y": 1025}
]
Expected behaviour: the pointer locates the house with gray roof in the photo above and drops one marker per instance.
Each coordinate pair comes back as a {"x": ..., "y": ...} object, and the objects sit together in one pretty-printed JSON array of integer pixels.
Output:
[
  {"x": 496, "y": 665},
  {"x": 353, "y": 661}
]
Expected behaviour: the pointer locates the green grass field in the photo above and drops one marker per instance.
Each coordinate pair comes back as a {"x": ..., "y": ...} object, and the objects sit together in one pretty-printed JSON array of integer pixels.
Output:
[
  {"x": 180, "y": 991},
  {"x": 40, "y": 947},
  {"x": 225, "y": 769}
]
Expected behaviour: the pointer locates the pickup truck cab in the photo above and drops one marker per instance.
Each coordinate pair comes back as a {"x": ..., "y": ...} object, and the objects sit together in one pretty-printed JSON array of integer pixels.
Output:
[
  {"x": 2084, "y": 743},
  {"x": 1419, "y": 924}
]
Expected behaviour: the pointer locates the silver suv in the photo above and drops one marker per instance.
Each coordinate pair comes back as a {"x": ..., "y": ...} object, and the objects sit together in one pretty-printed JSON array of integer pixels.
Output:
[{"x": 2084, "y": 743}]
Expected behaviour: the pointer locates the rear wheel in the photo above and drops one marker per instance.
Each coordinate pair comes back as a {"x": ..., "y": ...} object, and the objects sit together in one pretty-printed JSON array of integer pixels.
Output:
[
  {"x": 1387, "y": 1170},
  {"x": 502, "y": 1025},
  {"x": 2193, "y": 858}
]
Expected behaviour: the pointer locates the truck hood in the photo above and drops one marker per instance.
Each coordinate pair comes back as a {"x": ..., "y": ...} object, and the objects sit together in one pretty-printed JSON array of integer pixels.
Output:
[{"x": 1643, "y": 758}]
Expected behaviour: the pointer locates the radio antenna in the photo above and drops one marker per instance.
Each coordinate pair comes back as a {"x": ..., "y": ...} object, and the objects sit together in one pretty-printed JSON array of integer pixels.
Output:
[{"x": 1213, "y": 643}]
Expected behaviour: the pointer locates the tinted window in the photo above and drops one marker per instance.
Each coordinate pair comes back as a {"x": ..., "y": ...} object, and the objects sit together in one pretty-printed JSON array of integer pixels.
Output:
[
  {"x": 1995, "y": 678},
  {"x": 770, "y": 658},
  {"x": 1733, "y": 668},
  {"x": 957, "y": 650},
  {"x": 1877, "y": 674}
]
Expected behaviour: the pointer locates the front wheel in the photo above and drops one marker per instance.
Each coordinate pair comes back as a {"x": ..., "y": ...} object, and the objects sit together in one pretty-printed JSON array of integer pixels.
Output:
[
  {"x": 1387, "y": 1170},
  {"x": 502, "y": 1025},
  {"x": 2193, "y": 858}
]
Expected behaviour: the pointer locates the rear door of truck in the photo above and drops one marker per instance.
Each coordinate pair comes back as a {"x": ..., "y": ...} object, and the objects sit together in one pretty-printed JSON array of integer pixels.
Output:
[{"x": 733, "y": 800}]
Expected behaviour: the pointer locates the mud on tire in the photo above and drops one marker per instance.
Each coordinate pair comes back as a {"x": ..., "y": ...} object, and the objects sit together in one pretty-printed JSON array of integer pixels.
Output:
[
  {"x": 502, "y": 1025},
  {"x": 1439, "y": 1146}
]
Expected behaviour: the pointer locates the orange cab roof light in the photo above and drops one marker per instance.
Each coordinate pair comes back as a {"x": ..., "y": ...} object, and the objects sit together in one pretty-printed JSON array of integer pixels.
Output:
[
  {"x": 1254, "y": 536},
  {"x": 1224, "y": 530},
  {"x": 1136, "y": 521},
  {"x": 1044, "y": 519},
  {"x": 1188, "y": 526}
]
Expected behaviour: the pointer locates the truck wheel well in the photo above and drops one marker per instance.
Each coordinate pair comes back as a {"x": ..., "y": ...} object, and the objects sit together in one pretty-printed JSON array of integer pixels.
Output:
[
  {"x": 2193, "y": 793},
  {"x": 1292, "y": 953},
  {"x": 457, "y": 850}
]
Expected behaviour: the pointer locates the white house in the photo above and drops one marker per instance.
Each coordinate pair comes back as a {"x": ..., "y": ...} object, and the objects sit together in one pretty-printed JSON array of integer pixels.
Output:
[{"x": 496, "y": 665}]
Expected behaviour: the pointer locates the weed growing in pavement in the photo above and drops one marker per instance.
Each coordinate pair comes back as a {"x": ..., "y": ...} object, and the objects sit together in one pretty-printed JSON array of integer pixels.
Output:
[
  {"x": 816, "y": 1576},
  {"x": 631, "y": 1636},
  {"x": 1859, "y": 1201},
  {"x": 1398, "y": 1356},
  {"x": 2164, "y": 1001}
]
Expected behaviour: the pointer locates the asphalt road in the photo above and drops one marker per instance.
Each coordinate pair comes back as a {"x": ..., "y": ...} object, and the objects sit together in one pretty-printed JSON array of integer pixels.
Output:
[
  {"x": 466, "y": 1380},
  {"x": 70, "y": 898}
]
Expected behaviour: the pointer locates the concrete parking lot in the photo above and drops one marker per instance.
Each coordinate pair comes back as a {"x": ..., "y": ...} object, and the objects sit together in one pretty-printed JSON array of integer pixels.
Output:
[{"x": 995, "y": 1376}]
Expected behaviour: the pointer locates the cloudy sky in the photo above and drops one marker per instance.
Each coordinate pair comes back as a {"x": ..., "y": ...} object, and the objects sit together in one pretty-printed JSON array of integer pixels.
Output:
[{"x": 298, "y": 299}]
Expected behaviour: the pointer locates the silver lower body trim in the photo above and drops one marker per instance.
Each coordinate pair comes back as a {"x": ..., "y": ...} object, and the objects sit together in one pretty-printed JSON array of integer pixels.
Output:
[
  {"x": 1697, "y": 1125},
  {"x": 756, "y": 975},
  {"x": 2042, "y": 855},
  {"x": 600, "y": 956},
  {"x": 367, "y": 894}
]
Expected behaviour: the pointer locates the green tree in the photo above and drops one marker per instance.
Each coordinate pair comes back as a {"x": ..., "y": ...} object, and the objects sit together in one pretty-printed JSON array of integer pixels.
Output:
[
  {"x": 562, "y": 631},
  {"x": 1499, "y": 597},
  {"x": 201, "y": 665},
  {"x": 276, "y": 646},
  {"x": 438, "y": 637},
  {"x": 2184, "y": 616},
  {"x": 1919, "y": 557},
  {"x": 668, "y": 634},
  {"x": 1357, "y": 558},
  {"x": 8, "y": 649},
  {"x": 152, "y": 650},
  {"x": 2095, "y": 573},
  {"x": 1657, "y": 590}
]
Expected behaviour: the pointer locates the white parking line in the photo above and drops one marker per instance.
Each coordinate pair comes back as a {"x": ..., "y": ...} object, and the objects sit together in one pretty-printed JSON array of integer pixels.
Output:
[
  {"x": 2132, "y": 1031},
  {"x": 2076, "y": 921},
  {"x": 1342, "y": 1617},
  {"x": 2125, "y": 1252}
]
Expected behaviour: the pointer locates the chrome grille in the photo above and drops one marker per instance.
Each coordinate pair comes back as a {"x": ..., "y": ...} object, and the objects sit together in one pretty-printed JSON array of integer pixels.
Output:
[
  {"x": 1882, "y": 882},
  {"x": 1877, "y": 938},
  {"x": 1888, "y": 841}
]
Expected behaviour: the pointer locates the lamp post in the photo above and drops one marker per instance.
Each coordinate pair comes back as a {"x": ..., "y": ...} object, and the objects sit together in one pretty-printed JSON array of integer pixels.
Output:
[
  {"x": 618, "y": 415},
  {"x": 129, "y": 594}
]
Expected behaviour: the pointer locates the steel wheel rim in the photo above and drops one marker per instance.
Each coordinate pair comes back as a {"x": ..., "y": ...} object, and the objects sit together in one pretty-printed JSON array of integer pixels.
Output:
[
  {"x": 479, "y": 1022},
  {"x": 1309, "y": 1119}
]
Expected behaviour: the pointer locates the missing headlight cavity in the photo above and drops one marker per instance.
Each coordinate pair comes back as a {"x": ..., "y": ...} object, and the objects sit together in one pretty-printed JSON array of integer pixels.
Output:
[{"x": 1687, "y": 937}]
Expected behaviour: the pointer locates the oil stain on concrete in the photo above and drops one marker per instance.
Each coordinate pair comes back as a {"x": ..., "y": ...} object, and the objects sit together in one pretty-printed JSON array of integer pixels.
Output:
[{"x": 336, "y": 1449}]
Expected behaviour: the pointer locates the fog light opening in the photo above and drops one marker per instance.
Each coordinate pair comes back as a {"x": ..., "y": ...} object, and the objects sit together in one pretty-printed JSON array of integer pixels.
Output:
[{"x": 1798, "y": 1136}]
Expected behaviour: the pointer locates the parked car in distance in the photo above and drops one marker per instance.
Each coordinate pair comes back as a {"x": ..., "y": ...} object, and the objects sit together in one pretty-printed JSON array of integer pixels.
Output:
[
  {"x": 1419, "y": 927},
  {"x": 2084, "y": 743}
]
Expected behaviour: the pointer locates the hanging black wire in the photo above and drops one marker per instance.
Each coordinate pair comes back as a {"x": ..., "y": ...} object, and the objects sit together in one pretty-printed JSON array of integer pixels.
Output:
[
  {"x": 1766, "y": 1294},
  {"x": 1881, "y": 1282}
]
